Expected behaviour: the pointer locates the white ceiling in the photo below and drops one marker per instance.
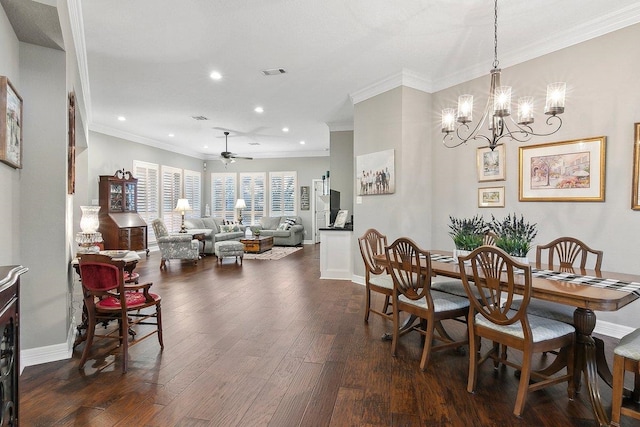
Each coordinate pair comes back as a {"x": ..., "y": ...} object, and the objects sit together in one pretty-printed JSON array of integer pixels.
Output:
[{"x": 149, "y": 60}]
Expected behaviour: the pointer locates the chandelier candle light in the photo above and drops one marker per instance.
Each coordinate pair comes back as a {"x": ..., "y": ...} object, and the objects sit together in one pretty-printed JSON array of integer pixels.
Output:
[
  {"x": 240, "y": 204},
  {"x": 498, "y": 111},
  {"x": 182, "y": 206}
]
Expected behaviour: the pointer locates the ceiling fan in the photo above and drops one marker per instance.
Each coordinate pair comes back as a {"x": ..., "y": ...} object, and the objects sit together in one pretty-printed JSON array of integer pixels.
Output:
[{"x": 226, "y": 156}]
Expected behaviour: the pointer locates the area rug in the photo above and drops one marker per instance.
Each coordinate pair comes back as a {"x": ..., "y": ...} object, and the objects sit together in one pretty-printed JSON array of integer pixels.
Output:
[{"x": 277, "y": 252}]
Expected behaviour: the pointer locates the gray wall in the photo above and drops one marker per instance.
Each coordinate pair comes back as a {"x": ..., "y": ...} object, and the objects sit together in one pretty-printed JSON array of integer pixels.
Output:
[
  {"x": 9, "y": 177},
  {"x": 341, "y": 167},
  {"x": 603, "y": 98},
  {"x": 43, "y": 206}
]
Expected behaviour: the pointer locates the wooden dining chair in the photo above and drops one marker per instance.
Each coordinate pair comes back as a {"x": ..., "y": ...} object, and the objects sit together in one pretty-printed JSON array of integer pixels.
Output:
[
  {"x": 626, "y": 357},
  {"x": 564, "y": 254},
  {"x": 376, "y": 278},
  {"x": 494, "y": 318},
  {"x": 410, "y": 269},
  {"x": 489, "y": 238},
  {"x": 107, "y": 298}
]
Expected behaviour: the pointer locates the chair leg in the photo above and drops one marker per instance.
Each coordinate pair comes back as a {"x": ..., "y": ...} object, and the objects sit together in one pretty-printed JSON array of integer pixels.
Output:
[
  {"x": 396, "y": 330},
  {"x": 367, "y": 304},
  {"x": 426, "y": 348},
  {"x": 163, "y": 263},
  {"x": 159, "y": 322},
  {"x": 474, "y": 349},
  {"x": 523, "y": 387},
  {"x": 618, "y": 388},
  {"x": 387, "y": 303},
  {"x": 91, "y": 328}
]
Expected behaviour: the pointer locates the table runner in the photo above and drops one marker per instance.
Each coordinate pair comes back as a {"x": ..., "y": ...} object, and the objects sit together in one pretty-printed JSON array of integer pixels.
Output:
[{"x": 599, "y": 282}]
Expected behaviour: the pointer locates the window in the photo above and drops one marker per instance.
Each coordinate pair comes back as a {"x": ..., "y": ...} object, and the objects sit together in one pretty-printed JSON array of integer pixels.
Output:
[
  {"x": 252, "y": 190},
  {"x": 282, "y": 193},
  {"x": 223, "y": 195},
  {"x": 171, "y": 190},
  {"x": 148, "y": 193},
  {"x": 193, "y": 192}
]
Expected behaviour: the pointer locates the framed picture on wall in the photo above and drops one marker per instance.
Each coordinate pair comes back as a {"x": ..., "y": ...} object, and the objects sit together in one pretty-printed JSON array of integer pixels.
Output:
[
  {"x": 635, "y": 194},
  {"x": 10, "y": 124},
  {"x": 491, "y": 163},
  {"x": 375, "y": 173},
  {"x": 491, "y": 197},
  {"x": 304, "y": 198},
  {"x": 567, "y": 171},
  {"x": 71, "y": 153}
]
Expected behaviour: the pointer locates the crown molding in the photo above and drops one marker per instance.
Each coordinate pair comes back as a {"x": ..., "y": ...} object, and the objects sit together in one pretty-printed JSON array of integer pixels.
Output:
[
  {"x": 545, "y": 45},
  {"x": 340, "y": 126},
  {"x": 106, "y": 130},
  {"x": 77, "y": 32},
  {"x": 405, "y": 77}
]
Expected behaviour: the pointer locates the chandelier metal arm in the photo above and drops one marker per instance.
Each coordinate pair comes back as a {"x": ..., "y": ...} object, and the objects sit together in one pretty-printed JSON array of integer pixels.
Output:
[{"x": 497, "y": 111}]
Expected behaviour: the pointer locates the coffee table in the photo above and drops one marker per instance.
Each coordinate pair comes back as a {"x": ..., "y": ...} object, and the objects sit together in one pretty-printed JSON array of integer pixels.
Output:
[{"x": 257, "y": 245}]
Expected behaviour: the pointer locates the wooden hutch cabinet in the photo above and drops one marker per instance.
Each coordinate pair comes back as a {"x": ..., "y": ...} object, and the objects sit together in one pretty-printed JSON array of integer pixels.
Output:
[
  {"x": 120, "y": 224},
  {"x": 9, "y": 342}
]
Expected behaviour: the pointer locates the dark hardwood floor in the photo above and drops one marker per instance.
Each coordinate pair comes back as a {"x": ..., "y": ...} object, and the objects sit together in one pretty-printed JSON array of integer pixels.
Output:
[{"x": 268, "y": 343}]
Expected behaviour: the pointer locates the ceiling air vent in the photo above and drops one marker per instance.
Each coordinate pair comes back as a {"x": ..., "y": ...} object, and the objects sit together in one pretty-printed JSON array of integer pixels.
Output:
[
  {"x": 274, "y": 71},
  {"x": 254, "y": 143},
  {"x": 199, "y": 118}
]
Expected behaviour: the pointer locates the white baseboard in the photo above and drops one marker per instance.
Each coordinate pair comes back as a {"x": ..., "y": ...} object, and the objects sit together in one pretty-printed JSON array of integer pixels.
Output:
[{"x": 50, "y": 353}]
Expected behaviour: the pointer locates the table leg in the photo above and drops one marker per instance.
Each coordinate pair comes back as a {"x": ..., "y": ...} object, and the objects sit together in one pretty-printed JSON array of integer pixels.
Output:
[{"x": 585, "y": 361}]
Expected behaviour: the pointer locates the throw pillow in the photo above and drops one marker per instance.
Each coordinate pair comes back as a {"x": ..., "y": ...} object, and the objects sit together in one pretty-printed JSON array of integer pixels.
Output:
[
  {"x": 290, "y": 221},
  {"x": 284, "y": 226}
]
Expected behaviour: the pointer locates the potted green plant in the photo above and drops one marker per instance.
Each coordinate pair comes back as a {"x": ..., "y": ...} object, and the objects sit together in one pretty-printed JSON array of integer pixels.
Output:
[
  {"x": 467, "y": 233},
  {"x": 255, "y": 231},
  {"x": 514, "y": 235}
]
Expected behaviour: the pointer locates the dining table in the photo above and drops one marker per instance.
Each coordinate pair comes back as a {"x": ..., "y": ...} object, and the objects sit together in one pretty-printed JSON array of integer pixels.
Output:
[{"x": 587, "y": 291}]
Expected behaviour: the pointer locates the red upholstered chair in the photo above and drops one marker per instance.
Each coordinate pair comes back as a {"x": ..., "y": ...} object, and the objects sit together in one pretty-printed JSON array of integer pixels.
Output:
[{"x": 108, "y": 298}]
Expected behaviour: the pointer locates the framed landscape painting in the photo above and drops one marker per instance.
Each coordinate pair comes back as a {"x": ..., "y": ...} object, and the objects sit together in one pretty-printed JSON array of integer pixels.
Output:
[
  {"x": 10, "y": 124},
  {"x": 491, "y": 163},
  {"x": 491, "y": 197},
  {"x": 375, "y": 173},
  {"x": 567, "y": 171}
]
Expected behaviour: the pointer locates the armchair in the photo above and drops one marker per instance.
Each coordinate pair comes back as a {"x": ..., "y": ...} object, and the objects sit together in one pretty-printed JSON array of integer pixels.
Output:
[{"x": 176, "y": 245}]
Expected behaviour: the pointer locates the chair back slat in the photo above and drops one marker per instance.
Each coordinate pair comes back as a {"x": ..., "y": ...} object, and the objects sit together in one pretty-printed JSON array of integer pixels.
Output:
[
  {"x": 372, "y": 243},
  {"x": 410, "y": 268},
  {"x": 566, "y": 253},
  {"x": 497, "y": 278}
]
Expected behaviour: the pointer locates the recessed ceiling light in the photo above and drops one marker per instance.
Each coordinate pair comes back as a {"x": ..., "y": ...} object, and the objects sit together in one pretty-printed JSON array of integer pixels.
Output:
[
  {"x": 171, "y": 135},
  {"x": 302, "y": 142},
  {"x": 259, "y": 110},
  {"x": 206, "y": 146},
  {"x": 215, "y": 75},
  {"x": 285, "y": 129},
  {"x": 122, "y": 118}
]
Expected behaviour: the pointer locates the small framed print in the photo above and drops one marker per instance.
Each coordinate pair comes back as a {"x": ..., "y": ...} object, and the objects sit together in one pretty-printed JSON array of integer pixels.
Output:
[
  {"x": 635, "y": 195},
  {"x": 10, "y": 124},
  {"x": 491, "y": 197},
  {"x": 491, "y": 164}
]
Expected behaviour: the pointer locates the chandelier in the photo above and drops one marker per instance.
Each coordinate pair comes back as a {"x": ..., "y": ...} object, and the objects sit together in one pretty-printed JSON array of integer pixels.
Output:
[{"x": 497, "y": 112}]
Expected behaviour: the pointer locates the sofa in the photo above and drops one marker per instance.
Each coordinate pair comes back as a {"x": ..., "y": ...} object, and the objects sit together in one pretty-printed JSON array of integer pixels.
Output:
[
  {"x": 286, "y": 230},
  {"x": 213, "y": 230}
]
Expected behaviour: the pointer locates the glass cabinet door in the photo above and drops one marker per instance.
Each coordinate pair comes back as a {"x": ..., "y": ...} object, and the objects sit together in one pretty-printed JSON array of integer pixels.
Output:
[
  {"x": 115, "y": 197},
  {"x": 130, "y": 197}
]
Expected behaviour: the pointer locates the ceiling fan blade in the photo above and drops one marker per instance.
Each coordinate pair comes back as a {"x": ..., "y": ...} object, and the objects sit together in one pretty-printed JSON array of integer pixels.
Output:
[{"x": 241, "y": 157}]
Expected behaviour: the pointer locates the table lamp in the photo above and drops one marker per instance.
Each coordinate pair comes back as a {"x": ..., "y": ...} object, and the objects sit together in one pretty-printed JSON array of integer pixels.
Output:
[
  {"x": 240, "y": 204},
  {"x": 182, "y": 206}
]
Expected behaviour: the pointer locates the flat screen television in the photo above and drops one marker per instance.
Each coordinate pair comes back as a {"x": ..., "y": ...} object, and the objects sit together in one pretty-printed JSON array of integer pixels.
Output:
[{"x": 334, "y": 205}]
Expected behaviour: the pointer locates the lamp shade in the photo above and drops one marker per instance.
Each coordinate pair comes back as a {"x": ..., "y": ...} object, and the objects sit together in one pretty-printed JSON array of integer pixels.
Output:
[
  {"x": 240, "y": 204},
  {"x": 89, "y": 222},
  {"x": 182, "y": 205}
]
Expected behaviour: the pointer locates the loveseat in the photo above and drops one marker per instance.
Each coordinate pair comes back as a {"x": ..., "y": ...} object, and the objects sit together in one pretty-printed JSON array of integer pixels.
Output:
[
  {"x": 213, "y": 230},
  {"x": 286, "y": 230}
]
